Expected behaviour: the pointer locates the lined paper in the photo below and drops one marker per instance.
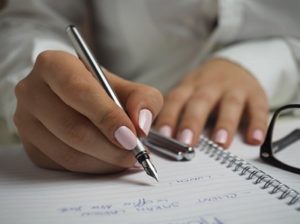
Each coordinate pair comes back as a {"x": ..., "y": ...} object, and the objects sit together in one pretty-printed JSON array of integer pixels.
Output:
[{"x": 198, "y": 191}]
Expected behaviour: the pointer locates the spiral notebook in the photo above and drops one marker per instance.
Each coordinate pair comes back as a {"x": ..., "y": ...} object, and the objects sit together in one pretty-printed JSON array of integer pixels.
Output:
[{"x": 214, "y": 187}]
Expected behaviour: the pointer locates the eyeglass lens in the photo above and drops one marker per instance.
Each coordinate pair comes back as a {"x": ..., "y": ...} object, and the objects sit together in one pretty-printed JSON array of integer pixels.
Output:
[{"x": 286, "y": 137}]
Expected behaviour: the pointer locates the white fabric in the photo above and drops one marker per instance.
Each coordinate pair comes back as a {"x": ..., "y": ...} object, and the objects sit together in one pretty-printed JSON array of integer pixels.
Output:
[
  {"x": 157, "y": 41},
  {"x": 278, "y": 74}
]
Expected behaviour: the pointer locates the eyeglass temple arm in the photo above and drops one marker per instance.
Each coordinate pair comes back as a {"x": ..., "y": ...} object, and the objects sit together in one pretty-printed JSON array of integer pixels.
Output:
[{"x": 286, "y": 140}]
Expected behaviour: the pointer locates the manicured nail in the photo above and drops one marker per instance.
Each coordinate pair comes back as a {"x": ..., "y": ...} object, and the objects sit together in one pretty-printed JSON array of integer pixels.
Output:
[
  {"x": 145, "y": 120},
  {"x": 165, "y": 130},
  {"x": 126, "y": 138},
  {"x": 186, "y": 136},
  {"x": 258, "y": 135},
  {"x": 221, "y": 136}
]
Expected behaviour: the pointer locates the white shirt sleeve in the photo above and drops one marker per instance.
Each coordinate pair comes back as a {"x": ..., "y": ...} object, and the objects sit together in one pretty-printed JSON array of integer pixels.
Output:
[
  {"x": 26, "y": 29},
  {"x": 263, "y": 37},
  {"x": 272, "y": 63}
]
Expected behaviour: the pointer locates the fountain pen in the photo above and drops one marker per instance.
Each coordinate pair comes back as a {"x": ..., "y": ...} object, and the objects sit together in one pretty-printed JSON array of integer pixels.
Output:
[{"x": 90, "y": 62}]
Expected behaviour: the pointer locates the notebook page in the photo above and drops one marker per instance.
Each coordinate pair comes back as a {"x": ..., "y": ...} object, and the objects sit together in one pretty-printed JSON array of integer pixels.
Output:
[
  {"x": 251, "y": 154},
  {"x": 199, "y": 191}
]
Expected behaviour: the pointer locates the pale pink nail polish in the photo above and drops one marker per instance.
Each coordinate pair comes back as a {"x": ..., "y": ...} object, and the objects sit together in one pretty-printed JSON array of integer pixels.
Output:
[
  {"x": 165, "y": 130},
  {"x": 145, "y": 120},
  {"x": 126, "y": 138},
  {"x": 258, "y": 135},
  {"x": 221, "y": 136},
  {"x": 186, "y": 136}
]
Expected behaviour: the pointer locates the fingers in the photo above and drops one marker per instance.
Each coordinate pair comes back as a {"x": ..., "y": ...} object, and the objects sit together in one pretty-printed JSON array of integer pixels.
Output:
[
  {"x": 229, "y": 115},
  {"x": 170, "y": 114},
  {"x": 258, "y": 118},
  {"x": 72, "y": 128},
  {"x": 59, "y": 155},
  {"x": 39, "y": 158},
  {"x": 195, "y": 114},
  {"x": 73, "y": 122},
  {"x": 142, "y": 103},
  {"x": 218, "y": 84},
  {"x": 77, "y": 88}
]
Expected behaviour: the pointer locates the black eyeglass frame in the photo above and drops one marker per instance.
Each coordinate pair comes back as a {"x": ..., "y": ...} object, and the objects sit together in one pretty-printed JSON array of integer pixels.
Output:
[{"x": 266, "y": 153}]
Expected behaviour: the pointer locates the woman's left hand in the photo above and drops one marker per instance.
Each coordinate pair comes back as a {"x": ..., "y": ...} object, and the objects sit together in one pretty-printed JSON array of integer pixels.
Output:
[{"x": 217, "y": 86}]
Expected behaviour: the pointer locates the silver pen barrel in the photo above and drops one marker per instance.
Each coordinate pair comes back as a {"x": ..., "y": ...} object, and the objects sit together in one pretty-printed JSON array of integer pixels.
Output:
[{"x": 90, "y": 62}]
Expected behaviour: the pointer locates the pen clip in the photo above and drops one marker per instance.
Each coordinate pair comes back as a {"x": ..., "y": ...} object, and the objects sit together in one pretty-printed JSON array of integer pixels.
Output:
[{"x": 169, "y": 146}]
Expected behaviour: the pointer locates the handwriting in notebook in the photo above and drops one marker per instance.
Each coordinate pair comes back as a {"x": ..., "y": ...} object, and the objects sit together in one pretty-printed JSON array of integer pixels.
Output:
[
  {"x": 220, "y": 197},
  {"x": 193, "y": 179},
  {"x": 141, "y": 205},
  {"x": 201, "y": 191}
]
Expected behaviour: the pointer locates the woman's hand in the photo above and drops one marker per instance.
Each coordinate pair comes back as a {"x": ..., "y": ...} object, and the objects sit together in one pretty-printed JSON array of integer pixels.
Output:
[
  {"x": 66, "y": 120},
  {"x": 218, "y": 85}
]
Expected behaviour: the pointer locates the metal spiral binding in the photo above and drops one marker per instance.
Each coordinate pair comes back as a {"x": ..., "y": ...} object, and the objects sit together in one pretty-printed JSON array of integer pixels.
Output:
[{"x": 243, "y": 168}]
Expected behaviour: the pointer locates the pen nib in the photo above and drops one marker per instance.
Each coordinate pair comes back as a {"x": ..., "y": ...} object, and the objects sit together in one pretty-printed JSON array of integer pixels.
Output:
[{"x": 150, "y": 169}]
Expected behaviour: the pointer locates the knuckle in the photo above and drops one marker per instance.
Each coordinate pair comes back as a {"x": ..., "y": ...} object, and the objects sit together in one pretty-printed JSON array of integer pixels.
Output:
[
  {"x": 203, "y": 95},
  {"x": 262, "y": 109},
  {"x": 259, "y": 110},
  {"x": 175, "y": 95},
  {"x": 125, "y": 160},
  {"x": 155, "y": 94},
  {"x": 150, "y": 91},
  {"x": 236, "y": 99},
  {"x": 164, "y": 119},
  {"x": 73, "y": 162},
  {"x": 87, "y": 164},
  {"x": 260, "y": 119},
  {"x": 69, "y": 85},
  {"x": 145, "y": 97},
  {"x": 109, "y": 119},
  {"x": 21, "y": 121},
  {"x": 159, "y": 100},
  {"x": 77, "y": 132},
  {"x": 44, "y": 58},
  {"x": 21, "y": 89},
  {"x": 27, "y": 96},
  {"x": 34, "y": 155},
  {"x": 30, "y": 152},
  {"x": 227, "y": 122}
]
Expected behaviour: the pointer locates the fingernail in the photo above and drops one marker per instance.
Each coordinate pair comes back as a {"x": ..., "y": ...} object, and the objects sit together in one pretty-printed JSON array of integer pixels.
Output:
[
  {"x": 126, "y": 138},
  {"x": 258, "y": 135},
  {"x": 186, "y": 136},
  {"x": 221, "y": 136},
  {"x": 165, "y": 130},
  {"x": 145, "y": 120}
]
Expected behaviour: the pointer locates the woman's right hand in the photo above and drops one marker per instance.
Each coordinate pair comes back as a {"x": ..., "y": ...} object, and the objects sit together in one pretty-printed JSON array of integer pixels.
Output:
[{"x": 66, "y": 120}]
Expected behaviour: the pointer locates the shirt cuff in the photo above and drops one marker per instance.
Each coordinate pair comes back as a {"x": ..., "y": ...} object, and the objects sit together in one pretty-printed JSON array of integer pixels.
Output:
[{"x": 271, "y": 63}]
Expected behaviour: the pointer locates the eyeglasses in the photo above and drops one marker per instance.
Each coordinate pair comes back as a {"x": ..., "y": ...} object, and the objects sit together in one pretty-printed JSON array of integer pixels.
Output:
[{"x": 282, "y": 144}]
